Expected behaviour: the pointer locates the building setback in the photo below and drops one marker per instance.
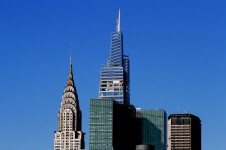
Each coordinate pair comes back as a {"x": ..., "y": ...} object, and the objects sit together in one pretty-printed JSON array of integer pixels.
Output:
[
  {"x": 184, "y": 132},
  {"x": 69, "y": 135}
]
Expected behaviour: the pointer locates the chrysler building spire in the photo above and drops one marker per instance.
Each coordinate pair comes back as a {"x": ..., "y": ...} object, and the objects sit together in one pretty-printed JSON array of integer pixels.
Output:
[
  {"x": 71, "y": 54},
  {"x": 69, "y": 134}
]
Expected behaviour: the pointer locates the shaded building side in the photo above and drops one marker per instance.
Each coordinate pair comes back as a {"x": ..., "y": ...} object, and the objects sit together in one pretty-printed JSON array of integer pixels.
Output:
[
  {"x": 151, "y": 128},
  {"x": 111, "y": 125}
]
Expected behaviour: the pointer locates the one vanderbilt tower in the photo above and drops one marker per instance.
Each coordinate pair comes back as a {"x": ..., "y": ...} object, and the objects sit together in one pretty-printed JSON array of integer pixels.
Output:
[
  {"x": 69, "y": 135},
  {"x": 114, "y": 80}
]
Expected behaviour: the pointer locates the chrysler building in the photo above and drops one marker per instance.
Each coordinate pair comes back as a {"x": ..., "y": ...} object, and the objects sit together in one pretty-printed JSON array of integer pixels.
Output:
[{"x": 69, "y": 135}]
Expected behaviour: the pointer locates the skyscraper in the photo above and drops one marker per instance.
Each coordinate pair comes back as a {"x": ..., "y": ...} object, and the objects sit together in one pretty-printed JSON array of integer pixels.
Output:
[
  {"x": 112, "y": 125},
  {"x": 115, "y": 80},
  {"x": 112, "y": 118},
  {"x": 69, "y": 135},
  {"x": 151, "y": 128},
  {"x": 184, "y": 132}
]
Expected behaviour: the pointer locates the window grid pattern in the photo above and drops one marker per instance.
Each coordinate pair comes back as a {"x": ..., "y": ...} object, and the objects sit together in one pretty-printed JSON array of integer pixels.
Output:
[
  {"x": 184, "y": 132},
  {"x": 101, "y": 124},
  {"x": 153, "y": 127},
  {"x": 66, "y": 139},
  {"x": 116, "y": 53},
  {"x": 111, "y": 84},
  {"x": 116, "y": 71}
]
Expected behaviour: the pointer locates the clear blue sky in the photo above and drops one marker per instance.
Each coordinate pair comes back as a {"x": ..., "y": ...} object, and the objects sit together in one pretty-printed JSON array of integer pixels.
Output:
[{"x": 177, "y": 50}]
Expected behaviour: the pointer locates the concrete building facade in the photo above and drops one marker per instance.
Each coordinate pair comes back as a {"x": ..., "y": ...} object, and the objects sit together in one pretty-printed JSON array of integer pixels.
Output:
[{"x": 184, "y": 132}]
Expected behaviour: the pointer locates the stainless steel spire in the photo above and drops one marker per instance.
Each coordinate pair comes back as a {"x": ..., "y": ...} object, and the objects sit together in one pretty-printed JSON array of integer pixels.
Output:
[
  {"x": 69, "y": 134},
  {"x": 118, "y": 22},
  {"x": 71, "y": 54}
]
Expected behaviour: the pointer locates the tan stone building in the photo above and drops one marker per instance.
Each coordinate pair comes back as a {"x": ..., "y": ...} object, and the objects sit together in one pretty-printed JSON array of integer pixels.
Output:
[
  {"x": 69, "y": 135},
  {"x": 184, "y": 132}
]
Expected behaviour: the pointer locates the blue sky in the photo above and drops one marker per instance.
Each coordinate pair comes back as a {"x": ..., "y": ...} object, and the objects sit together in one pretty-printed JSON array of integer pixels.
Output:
[{"x": 177, "y": 51}]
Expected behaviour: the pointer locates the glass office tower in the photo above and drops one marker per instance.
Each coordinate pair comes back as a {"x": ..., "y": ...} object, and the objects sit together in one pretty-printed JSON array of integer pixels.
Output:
[
  {"x": 111, "y": 125},
  {"x": 151, "y": 128},
  {"x": 115, "y": 80},
  {"x": 101, "y": 124}
]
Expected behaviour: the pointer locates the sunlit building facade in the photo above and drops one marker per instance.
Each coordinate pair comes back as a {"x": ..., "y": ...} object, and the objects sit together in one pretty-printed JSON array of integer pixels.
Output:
[
  {"x": 184, "y": 132},
  {"x": 69, "y": 135}
]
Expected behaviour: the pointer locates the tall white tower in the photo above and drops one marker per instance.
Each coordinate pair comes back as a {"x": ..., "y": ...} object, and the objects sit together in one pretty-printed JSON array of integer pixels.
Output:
[{"x": 69, "y": 135}]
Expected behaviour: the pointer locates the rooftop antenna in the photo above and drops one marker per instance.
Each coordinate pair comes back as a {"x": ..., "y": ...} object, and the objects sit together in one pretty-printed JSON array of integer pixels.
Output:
[{"x": 118, "y": 22}]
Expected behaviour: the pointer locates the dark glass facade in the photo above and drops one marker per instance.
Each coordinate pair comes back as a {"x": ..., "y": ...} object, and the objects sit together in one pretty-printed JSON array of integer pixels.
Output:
[
  {"x": 151, "y": 128},
  {"x": 111, "y": 125},
  {"x": 101, "y": 124}
]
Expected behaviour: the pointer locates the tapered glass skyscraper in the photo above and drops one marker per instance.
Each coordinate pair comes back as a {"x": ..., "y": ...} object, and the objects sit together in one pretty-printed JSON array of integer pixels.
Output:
[{"x": 114, "y": 80}]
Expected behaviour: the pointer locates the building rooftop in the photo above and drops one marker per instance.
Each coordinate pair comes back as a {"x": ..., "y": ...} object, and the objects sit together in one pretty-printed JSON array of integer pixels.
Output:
[{"x": 183, "y": 115}]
